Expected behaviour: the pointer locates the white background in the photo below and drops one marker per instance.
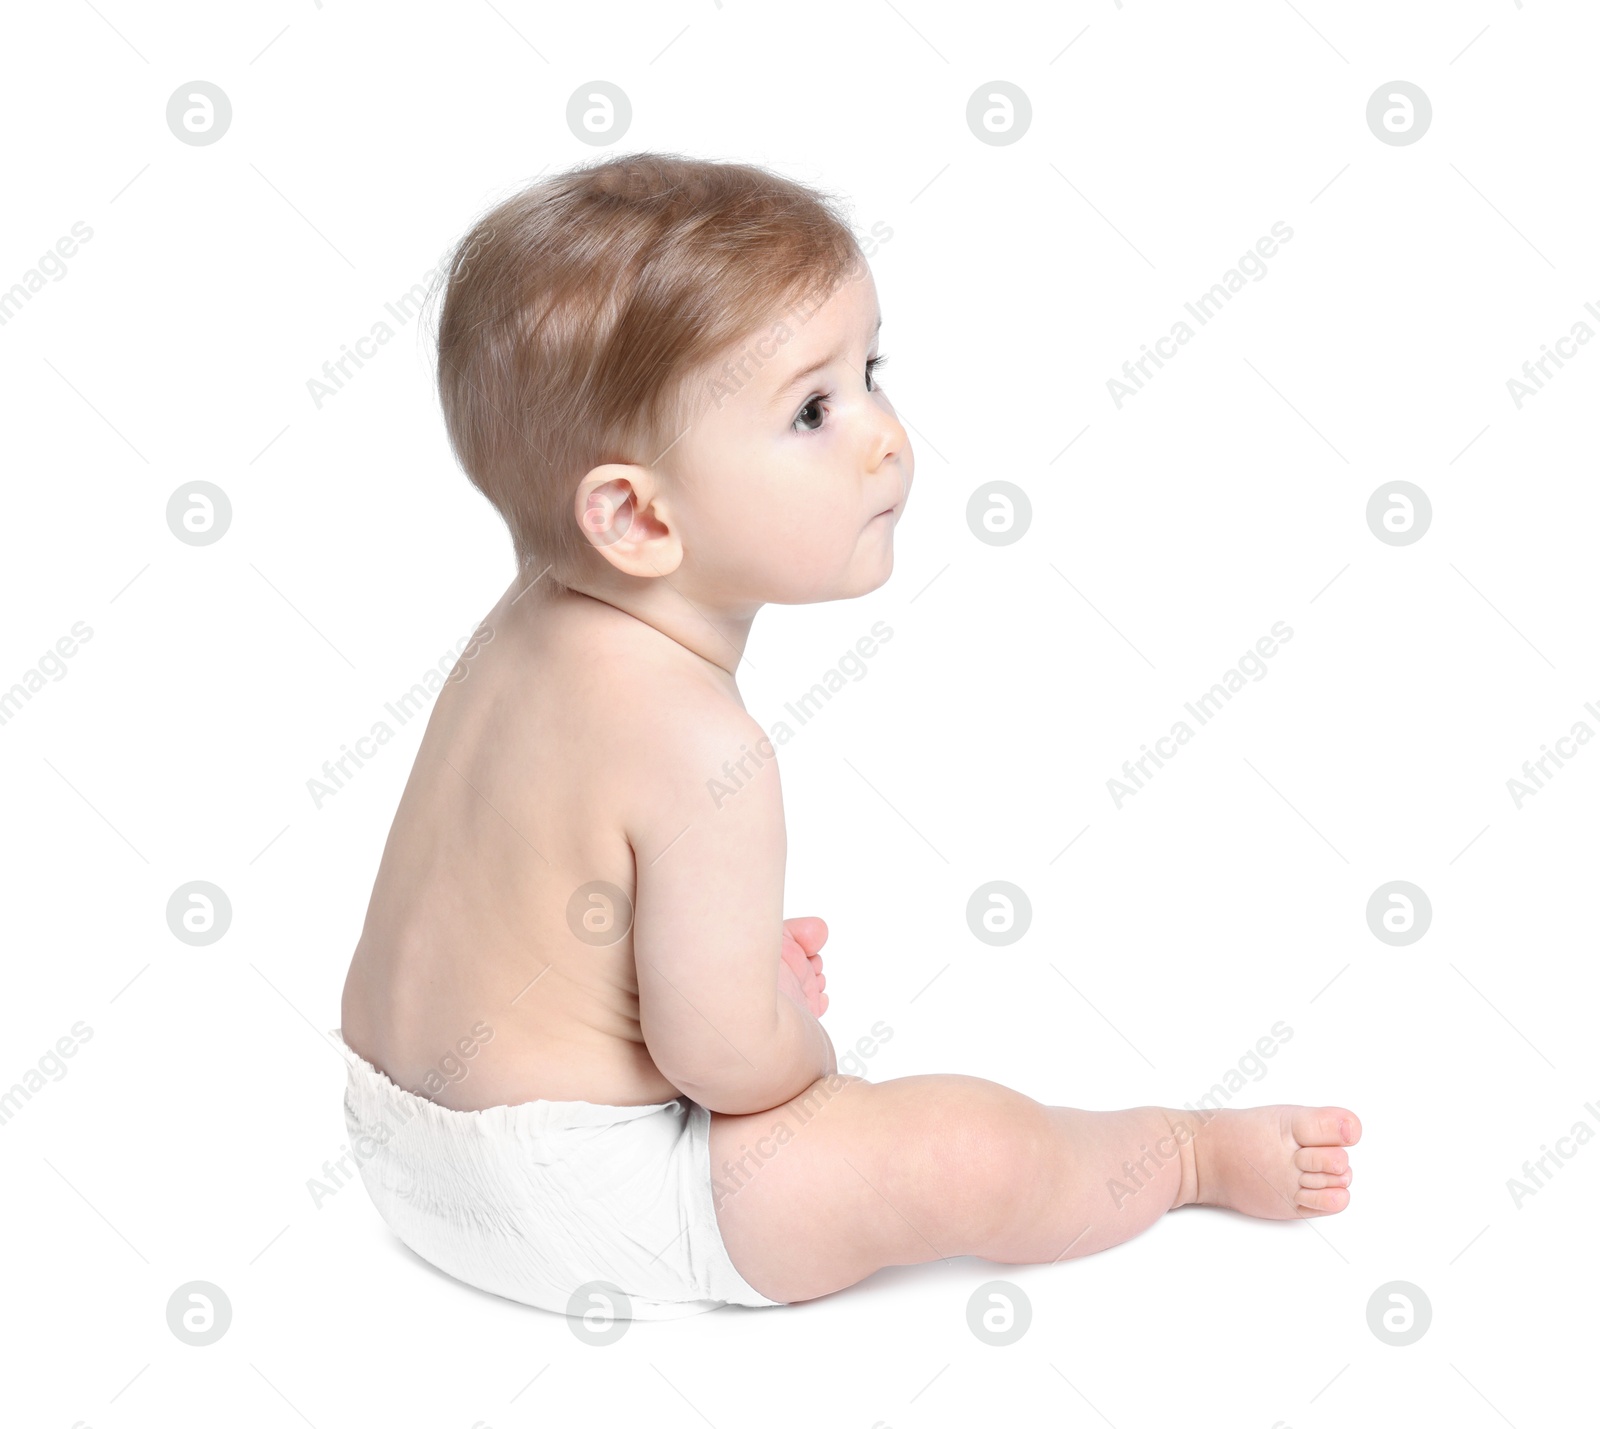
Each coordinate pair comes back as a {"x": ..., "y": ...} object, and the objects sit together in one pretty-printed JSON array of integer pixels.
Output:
[{"x": 1226, "y": 896}]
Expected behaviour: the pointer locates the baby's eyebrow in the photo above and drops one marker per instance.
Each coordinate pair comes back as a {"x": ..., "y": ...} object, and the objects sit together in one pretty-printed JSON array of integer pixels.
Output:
[{"x": 801, "y": 376}]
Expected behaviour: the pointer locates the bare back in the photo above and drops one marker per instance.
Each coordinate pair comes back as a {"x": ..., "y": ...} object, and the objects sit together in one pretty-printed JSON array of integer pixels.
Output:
[{"x": 469, "y": 984}]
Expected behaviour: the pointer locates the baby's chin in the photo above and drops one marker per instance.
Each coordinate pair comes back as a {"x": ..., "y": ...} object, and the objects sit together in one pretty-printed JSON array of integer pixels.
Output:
[{"x": 860, "y": 579}]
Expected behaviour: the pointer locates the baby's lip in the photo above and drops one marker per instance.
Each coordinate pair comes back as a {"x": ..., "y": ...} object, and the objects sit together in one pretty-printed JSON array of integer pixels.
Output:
[{"x": 905, "y": 491}]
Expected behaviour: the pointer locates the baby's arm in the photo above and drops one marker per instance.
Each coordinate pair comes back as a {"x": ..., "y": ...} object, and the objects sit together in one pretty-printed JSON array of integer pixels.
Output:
[{"x": 708, "y": 920}]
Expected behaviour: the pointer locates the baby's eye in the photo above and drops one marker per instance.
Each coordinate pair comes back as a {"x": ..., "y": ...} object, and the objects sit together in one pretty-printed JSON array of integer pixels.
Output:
[{"x": 804, "y": 423}]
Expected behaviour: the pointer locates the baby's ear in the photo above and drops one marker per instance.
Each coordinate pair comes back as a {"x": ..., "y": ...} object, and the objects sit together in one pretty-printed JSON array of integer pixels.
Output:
[{"x": 617, "y": 510}]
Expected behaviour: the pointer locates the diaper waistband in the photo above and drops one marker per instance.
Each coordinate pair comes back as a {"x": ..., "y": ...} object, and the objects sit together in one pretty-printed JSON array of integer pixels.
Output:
[{"x": 374, "y": 1097}]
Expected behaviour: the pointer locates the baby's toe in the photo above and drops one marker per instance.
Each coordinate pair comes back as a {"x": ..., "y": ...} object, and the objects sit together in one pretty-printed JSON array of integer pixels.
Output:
[
  {"x": 1322, "y": 1203},
  {"x": 1319, "y": 1180},
  {"x": 1325, "y": 1126},
  {"x": 1332, "y": 1160}
]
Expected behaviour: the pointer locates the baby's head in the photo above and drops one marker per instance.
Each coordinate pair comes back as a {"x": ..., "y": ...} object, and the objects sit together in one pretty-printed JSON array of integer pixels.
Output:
[{"x": 656, "y": 366}]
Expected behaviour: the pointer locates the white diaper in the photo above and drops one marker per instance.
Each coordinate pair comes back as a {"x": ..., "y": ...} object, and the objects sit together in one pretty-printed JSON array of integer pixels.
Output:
[{"x": 537, "y": 1201}]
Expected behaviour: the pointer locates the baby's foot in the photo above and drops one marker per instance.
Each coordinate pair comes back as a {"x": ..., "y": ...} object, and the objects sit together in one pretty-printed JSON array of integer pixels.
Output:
[{"x": 1277, "y": 1162}]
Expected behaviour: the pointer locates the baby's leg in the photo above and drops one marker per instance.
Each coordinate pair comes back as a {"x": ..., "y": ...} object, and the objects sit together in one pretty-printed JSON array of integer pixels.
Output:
[{"x": 852, "y": 1176}]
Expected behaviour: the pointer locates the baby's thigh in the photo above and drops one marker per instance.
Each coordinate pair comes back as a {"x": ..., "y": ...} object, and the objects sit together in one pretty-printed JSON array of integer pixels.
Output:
[{"x": 851, "y": 1176}]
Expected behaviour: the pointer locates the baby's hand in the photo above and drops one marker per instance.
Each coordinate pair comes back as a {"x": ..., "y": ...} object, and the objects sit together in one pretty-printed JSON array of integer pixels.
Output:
[{"x": 802, "y": 939}]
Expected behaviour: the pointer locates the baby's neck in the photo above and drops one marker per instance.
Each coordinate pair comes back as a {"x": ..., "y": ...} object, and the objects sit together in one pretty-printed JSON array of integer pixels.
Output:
[{"x": 685, "y": 617}]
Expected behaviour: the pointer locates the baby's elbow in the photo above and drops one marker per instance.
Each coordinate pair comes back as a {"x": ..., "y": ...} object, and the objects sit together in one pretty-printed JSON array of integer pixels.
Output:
[{"x": 723, "y": 1076}]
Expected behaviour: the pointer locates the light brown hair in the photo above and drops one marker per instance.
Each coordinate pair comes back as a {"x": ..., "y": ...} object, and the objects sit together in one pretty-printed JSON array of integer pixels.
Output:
[{"x": 577, "y": 313}]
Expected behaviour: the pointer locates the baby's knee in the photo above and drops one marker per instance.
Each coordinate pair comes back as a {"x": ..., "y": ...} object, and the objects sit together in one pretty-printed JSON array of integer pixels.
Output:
[
  {"x": 1002, "y": 1131},
  {"x": 985, "y": 1148}
]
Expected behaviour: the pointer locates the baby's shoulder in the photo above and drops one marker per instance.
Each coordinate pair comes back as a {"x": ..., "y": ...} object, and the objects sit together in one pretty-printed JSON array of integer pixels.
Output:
[
  {"x": 695, "y": 744},
  {"x": 667, "y": 722}
]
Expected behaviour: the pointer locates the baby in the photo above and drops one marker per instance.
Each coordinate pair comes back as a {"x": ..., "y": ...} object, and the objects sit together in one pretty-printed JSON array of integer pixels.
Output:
[{"x": 586, "y": 1069}]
